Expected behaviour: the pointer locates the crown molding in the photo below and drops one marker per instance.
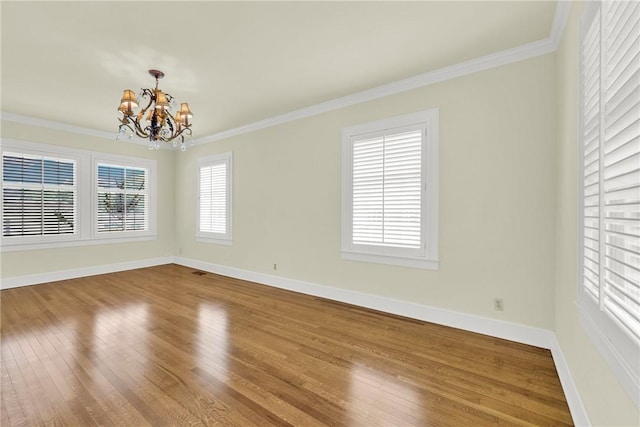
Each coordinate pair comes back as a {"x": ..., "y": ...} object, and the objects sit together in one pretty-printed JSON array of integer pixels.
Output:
[
  {"x": 530, "y": 50},
  {"x": 520, "y": 53},
  {"x": 53, "y": 125},
  {"x": 49, "y": 124},
  {"x": 563, "y": 9},
  {"x": 508, "y": 56}
]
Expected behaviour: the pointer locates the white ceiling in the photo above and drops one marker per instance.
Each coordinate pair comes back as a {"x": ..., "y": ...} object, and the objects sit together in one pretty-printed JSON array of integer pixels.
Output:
[{"x": 238, "y": 62}]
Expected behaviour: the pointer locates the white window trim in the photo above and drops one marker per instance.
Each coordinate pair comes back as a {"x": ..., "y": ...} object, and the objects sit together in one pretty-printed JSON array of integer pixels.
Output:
[
  {"x": 124, "y": 161},
  {"x": 85, "y": 198},
  {"x": 428, "y": 258},
  {"x": 210, "y": 237},
  {"x": 614, "y": 345}
]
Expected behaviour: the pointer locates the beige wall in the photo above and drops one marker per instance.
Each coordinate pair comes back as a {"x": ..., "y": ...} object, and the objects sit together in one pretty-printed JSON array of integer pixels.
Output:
[
  {"x": 606, "y": 402},
  {"x": 497, "y": 204},
  {"x": 22, "y": 263},
  {"x": 508, "y": 203}
]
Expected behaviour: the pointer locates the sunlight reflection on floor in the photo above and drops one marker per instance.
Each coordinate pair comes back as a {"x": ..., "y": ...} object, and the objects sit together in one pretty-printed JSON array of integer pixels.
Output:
[{"x": 211, "y": 345}]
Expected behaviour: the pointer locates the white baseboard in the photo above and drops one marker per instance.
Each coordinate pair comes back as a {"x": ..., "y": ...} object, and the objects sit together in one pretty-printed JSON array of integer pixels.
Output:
[
  {"x": 54, "y": 276},
  {"x": 578, "y": 411},
  {"x": 496, "y": 328}
]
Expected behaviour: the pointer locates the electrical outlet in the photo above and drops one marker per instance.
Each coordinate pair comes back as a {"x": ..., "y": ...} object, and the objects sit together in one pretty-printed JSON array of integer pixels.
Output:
[{"x": 498, "y": 304}]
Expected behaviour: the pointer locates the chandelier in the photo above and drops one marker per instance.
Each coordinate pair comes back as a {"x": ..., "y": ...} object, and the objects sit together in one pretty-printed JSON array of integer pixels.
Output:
[{"x": 159, "y": 125}]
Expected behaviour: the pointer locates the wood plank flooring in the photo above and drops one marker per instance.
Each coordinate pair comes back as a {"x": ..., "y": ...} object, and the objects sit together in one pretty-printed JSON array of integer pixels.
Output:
[{"x": 162, "y": 346}]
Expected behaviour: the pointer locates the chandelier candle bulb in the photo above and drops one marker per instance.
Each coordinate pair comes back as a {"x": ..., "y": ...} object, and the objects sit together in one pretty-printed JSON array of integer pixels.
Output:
[{"x": 160, "y": 125}]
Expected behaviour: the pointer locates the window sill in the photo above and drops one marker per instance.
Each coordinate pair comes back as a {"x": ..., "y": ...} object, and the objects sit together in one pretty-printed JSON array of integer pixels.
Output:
[
  {"x": 214, "y": 240},
  {"x": 618, "y": 350},
  {"x": 14, "y": 247},
  {"x": 391, "y": 260}
]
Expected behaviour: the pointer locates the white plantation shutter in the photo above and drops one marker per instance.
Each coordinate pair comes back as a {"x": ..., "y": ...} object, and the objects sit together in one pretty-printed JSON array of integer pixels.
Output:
[
  {"x": 122, "y": 198},
  {"x": 610, "y": 146},
  {"x": 591, "y": 158},
  {"x": 39, "y": 195},
  {"x": 621, "y": 165},
  {"x": 390, "y": 191},
  {"x": 387, "y": 188},
  {"x": 214, "y": 197}
]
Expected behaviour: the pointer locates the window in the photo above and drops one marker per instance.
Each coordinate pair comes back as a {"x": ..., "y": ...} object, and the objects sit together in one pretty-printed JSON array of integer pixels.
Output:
[
  {"x": 609, "y": 295},
  {"x": 123, "y": 195},
  {"x": 56, "y": 196},
  {"x": 214, "y": 199},
  {"x": 390, "y": 191},
  {"x": 38, "y": 195}
]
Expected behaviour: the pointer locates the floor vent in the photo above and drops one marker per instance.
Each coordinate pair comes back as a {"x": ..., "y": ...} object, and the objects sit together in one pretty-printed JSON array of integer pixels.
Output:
[{"x": 199, "y": 273}]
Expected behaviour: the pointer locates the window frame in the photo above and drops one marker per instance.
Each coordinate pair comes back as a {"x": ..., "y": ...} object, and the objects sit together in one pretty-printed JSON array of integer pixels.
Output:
[
  {"x": 619, "y": 349},
  {"x": 208, "y": 236},
  {"x": 426, "y": 256},
  {"x": 13, "y": 241},
  {"x": 85, "y": 197}
]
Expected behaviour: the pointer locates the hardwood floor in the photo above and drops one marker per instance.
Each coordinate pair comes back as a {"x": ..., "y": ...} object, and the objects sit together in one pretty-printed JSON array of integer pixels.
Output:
[{"x": 163, "y": 346}]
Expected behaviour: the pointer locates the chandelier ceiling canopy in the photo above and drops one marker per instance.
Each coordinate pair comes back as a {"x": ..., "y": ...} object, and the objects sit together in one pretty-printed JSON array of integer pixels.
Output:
[{"x": 154, "y": 122}]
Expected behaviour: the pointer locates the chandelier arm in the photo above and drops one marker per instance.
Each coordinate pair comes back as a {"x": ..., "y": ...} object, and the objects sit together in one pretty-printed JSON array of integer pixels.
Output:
[
  {"x": 176, "y": 129},
  {"x": 173, "y": 124},
  {"x": 148, "y": 130},
  {"x": 177, "y": 134},
  {"x": 135, "y": 128},
  {"x": 139, "y": 131},
  {"x": 145, "y": 93},
  {"x": 185, "y": 130}
]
